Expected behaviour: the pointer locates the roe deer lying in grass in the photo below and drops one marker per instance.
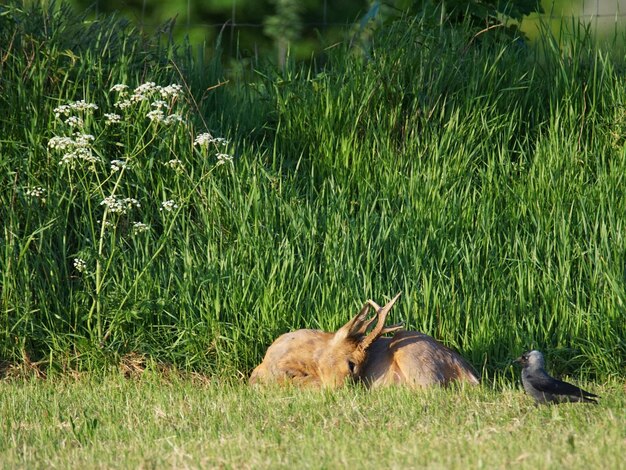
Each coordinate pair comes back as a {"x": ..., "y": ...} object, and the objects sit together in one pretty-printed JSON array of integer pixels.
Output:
[{"x": 313, "y": 357}]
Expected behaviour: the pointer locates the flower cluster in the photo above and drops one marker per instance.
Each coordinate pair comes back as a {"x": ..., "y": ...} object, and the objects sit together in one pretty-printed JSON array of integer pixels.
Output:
[
  {"x": 69, "y": 143},
  {"x": 120, "y": 88},
  {"x": 157, "y": 115},
  {"x": 81, "y": 153},
  {"x": 67, "y": 112},
  {"x": 61, "y": 143},
  {"x": 74, "y": 121},
  {"x": 117, "y": 165},
  {"x": 170, "y": 91},
  {"x": 80, "y": 106},
  {"x": 172, "y": 119},
  {"x": 175, "y": 164},
  {"x": 77, "y": 148},
  {"x": 223, "y": 158},
  {"x": 107, "y": 224},
  {"x": 140, "y": 227},
  {"x": 161, "y": 106},
  {"x": 112, "y": 118},
  {"x": 158, "y": 95},
  {"x": 148, "y": 90},
  {"x": 36, "y": 192},
  {"x": 123, "y": 104},
  {"x": 205, "y": 139},
  {"x": 168, "y": 206},
  {"x": 80, "y": 265},
  {"x": 143, "y": 91},
  {"x": 119, "y": 205}
]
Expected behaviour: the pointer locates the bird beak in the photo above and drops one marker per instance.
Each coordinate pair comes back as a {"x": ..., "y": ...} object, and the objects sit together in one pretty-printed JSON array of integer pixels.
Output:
[{"x": 518, "y": 360}]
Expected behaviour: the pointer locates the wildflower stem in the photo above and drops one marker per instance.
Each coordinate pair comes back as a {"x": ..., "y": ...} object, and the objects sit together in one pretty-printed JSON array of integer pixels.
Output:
[
  {"x": 164, "y": 239},
  {"x": 100, "y": 276}
]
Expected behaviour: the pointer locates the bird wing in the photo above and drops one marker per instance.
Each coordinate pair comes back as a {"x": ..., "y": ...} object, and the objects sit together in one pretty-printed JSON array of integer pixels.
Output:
[{"x": 549, "y": 384}]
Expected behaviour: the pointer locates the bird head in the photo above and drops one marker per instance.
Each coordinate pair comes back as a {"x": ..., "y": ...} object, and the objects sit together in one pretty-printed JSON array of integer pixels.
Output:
[{"x": 532, "y": 358}]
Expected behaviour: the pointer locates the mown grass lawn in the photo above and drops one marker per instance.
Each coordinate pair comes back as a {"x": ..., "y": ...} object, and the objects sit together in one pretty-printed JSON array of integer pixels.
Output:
[{"x": 153, "y": 422}]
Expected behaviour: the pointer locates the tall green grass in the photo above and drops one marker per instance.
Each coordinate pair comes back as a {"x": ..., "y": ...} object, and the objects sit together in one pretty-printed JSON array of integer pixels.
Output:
[{"x": 480, "y": 177}]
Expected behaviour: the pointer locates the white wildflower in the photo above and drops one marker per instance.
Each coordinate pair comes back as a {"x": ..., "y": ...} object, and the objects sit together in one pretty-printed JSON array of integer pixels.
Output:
[
  {"x": 36, "y": 192},
  {"x": 81, "y": 105},
  {"x": 74, "y": 121},
  {"x": 140, "y": 227},
  {"x": 80, "y": 141},
  {"x": 61, "y": 143},
  {"x": 172, "y": 119},
  {"x": 143, "y": 92},
  {"x": 123, "y": 104},
  {"x": 156, "y": 115},
  {"x": 168, "y": 206},
  {"x": 83, "y": 153},
  {"x": 112, "y": 118},
  {"x": 223, "y": 158},
  {"x": 175, "y": 164},
  {"x": 107, "y": 224},
  {"x": 80, "y": 265},
  {"x": 160, "y": 104},
  {"x": 145, "y": 88},
  {"x": 117, "y": 165},
  {"x": 119, "y": 88},
  {"x": 170, "y": 91},
  {"x": 203, "y": 140},
  {"x": 83, "y": 140},
  {"x": 147, "y": 91},
  {"x": 79, "y": 153},
  {"x": 68, "y": 159},
  {"x": 62, "y": 110},
  {"x": 118, "y": 205},
  {"x": 220, "y": 141},
  {"x": 131, "y": 202}
]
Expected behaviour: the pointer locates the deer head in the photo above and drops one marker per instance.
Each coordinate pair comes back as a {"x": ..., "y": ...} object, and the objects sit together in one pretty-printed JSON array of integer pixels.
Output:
[{"x": 346, "y": 350}]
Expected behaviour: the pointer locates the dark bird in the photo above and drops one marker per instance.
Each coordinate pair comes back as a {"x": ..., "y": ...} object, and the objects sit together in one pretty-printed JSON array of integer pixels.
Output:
[{"x": 546, "y": 389}]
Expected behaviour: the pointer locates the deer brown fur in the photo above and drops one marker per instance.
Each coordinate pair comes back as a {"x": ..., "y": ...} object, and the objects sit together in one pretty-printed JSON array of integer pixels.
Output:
[
  {"x": 318, "y": 358},
  {"x": 414, "y": 359},
  {"x": 313, "y": 357}
]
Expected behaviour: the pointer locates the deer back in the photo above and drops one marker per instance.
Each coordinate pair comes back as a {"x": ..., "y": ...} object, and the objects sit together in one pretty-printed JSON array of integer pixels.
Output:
[{"x": 414, "y": 359}]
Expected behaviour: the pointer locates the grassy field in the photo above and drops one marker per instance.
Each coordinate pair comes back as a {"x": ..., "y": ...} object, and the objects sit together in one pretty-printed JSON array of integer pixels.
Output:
[
  {"x": 157, "y": 422},
  {"x": 158, "y": 207},
  {"x": 154, "y": 203}
]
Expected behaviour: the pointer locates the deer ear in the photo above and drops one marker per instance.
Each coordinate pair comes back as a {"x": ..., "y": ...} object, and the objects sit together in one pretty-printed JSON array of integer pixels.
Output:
[{"x": 354, "y": 328}]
